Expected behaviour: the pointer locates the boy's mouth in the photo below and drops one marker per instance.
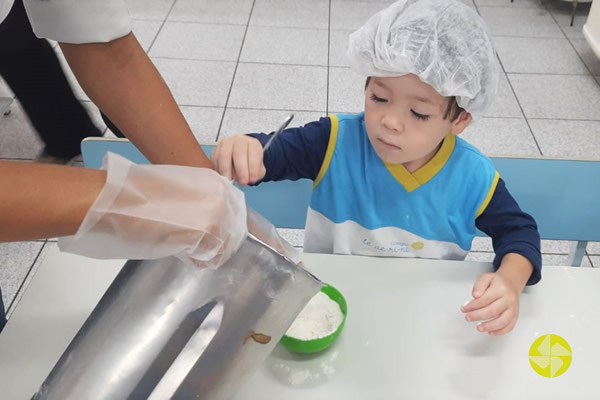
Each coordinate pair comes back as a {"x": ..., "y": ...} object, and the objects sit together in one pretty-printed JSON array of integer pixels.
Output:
[{"x": 392, "y": 146}]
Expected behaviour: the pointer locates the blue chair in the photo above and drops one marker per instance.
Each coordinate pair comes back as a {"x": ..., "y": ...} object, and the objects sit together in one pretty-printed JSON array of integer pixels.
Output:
[{"x": 562, "y": 195}]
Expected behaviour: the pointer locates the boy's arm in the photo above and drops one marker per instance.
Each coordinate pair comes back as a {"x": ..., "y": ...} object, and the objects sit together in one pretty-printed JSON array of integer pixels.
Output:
[
  {"x": 514, "y": 233},
  {"x": 518, "y": 261},
  {"x": 297, "y": 152}
]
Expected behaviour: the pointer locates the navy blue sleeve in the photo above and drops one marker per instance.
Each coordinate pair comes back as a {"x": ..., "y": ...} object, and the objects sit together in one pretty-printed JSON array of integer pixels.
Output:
[
  {"x": 297, "y": 152},
  {"x": 511, "y": 230}
]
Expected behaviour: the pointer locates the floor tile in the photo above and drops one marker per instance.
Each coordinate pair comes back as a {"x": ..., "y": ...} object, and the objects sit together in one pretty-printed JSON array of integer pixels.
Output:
[
  {"x": 40, "y": 259},
  {"x": 145, "y": 32},
  {"x": 149, "y": 9},
  {"x": 593, "y": 248},
  {"x": 197, "y": 83},
  {"x": 557, "y": 96},
  {"x": 574, "y": 139},
  {"x": 291, "y": 13},
  {"x": 561, "y": 11},
  {"x": 238, "y": 120},
  {"x": 556, "y": 246},
  {"x": 338, "y": 45},
  {"x": 501, "y": 136},
  {"x": 199, "y": 41},
  {"x": 526, "y": 22},
  {"x": 16, "y": 260},
  {"x": 287, "y": 87},
  {"x": 18, "y": 138},
  {"x": 586, "y": 262},
  {"x": 482, "y": 244},
  {"x": 294, "y": 236},
  {"x": 562, "y": 260},
  {"x": 346, "y": 90},
  {"x": 480, "y": 256},
  {"x": 276, "y": 45},
  {"x": 212, "y": 11},
  {"x": 204, "y": 121},
  {"x": 352, "y": 14},
  {"x": 553, "y": 259},
  {"x": 505, "y": 103},
  {"x": 587, "y": 55},
  {"x": 509, "y": 4},
  {"x": 595, "y": 261},
  {"x": 538, "y": 55}
]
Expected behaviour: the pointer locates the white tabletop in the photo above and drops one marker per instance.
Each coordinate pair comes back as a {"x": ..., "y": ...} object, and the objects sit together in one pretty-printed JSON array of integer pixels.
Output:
[{"x": 405, "y": 337}]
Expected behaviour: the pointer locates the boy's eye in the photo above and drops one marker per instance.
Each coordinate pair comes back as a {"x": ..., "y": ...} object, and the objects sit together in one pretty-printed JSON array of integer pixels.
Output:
[
  {"x": 420, "y": 116},
  {"x": 378, "y": 99}
]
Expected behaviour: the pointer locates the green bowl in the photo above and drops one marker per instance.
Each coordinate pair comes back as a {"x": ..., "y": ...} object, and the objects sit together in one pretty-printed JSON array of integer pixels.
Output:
[{"x": 316, "y": 345}]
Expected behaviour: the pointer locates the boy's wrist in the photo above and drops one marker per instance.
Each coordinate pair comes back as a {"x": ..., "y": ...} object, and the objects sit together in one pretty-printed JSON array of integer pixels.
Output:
[{"x": 516, "y": 269}]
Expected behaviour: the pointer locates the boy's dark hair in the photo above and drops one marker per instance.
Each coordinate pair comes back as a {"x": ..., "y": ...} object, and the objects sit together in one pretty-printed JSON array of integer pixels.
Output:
[{"x": 453, "y": 108}]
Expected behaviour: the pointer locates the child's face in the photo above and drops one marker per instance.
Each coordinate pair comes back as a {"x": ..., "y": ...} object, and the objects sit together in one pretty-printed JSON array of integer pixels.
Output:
[{"x": 405, "y": 120}]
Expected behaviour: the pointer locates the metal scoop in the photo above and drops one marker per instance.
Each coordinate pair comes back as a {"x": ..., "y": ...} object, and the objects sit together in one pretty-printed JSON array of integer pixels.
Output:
[{"x": 281, "y": 128}]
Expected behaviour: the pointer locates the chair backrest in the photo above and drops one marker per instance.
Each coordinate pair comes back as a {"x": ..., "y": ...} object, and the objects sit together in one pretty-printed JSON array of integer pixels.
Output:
[{"x": 562, "y": 195}]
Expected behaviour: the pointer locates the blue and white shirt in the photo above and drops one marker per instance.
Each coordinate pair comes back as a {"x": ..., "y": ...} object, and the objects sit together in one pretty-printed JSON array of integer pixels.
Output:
[{"x": 361, "y": 205}]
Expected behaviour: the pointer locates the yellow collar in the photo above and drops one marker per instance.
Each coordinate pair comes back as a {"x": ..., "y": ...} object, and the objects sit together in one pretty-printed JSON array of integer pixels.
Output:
[{"x": 412, "y": 181}]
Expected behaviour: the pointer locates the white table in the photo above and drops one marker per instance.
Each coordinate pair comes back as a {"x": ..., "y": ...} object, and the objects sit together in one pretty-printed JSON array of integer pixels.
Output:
[{"x": 405, "y": 337}]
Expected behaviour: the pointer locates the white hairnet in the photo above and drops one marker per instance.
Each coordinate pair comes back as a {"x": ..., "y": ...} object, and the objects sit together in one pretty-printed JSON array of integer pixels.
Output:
[{"x": 443, "y": 42}]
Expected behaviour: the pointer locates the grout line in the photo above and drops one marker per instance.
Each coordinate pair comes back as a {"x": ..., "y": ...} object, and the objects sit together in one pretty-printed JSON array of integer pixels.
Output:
[
  {"x": 543, "y": 253},
  {"x": 476, "y": 8},
  {"x": 570, "y": 42},
  {"x": 546, "y": 73},
  {"x": 303, "y": 28},
  {"x": 582, "y": 60},
  {"x": 328, "y": 59},
  {"x": 12, "y": 303},
  {"x": 264, "y": 109},
  {"x": 520, "y": 106},
  {"x": 161, "y": 27},
  {"x": 235, "y": 71},
  {"x": 589, "y": 260},
  {"x": 240, "y": 62},
  {"x": 567, "y": 119}
]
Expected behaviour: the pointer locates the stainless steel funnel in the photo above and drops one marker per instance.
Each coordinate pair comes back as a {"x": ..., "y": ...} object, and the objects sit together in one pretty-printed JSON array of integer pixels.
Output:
[{"x": 169, "y": 330}]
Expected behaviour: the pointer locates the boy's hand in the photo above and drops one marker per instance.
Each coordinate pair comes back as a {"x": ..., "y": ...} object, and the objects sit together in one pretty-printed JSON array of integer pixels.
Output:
[
  {"x": 496, "y": 302},
  {"x": 240, "y": 158}
]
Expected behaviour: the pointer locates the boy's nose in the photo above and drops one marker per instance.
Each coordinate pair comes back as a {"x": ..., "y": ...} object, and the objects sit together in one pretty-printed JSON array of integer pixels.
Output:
[{"x": 392, "y": 123}]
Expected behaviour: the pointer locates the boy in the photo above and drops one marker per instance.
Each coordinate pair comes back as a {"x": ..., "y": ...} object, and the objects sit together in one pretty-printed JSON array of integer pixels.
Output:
[{"x": 395, "y": 180}]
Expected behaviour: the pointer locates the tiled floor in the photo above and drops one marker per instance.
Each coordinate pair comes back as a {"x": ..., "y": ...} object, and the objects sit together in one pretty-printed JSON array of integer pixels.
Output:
[{"x": 241, "y": 65}]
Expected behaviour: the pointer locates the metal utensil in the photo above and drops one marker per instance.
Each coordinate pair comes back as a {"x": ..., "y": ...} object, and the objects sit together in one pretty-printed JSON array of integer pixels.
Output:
[{"x": 281, "y": 128}]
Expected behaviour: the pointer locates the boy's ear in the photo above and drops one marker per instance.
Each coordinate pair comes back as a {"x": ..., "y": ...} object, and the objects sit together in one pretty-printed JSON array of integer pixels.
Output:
[{"x": 460, "y": 123}]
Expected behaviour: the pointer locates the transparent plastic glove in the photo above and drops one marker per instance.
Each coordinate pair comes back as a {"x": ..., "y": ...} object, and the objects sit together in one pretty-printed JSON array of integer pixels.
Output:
[
  {"x": 444, "y": 42},
  {"x": 154, "y": 211}
]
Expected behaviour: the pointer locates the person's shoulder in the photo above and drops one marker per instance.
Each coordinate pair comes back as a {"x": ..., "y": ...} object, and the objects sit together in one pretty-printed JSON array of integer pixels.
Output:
[
  {"x": 466, "y": 150},
  {"x": 359, "y": 117}
]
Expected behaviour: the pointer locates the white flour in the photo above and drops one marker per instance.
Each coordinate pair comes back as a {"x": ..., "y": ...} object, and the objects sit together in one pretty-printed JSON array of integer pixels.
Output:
[{"x": 319, "y": 318}]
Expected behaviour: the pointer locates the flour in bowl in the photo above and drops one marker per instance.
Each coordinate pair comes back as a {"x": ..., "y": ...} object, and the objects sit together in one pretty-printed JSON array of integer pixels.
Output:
[{"x": 319, "y": 318}]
